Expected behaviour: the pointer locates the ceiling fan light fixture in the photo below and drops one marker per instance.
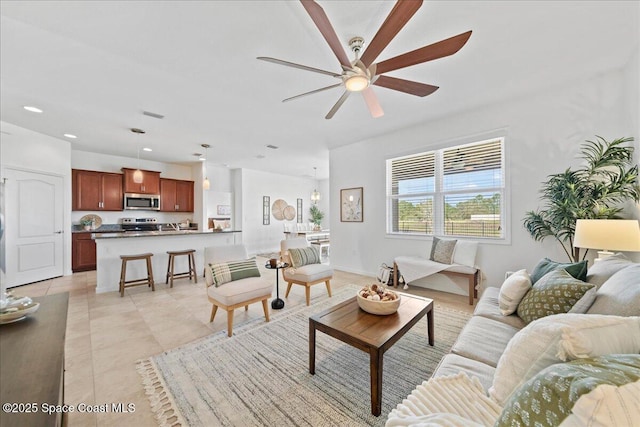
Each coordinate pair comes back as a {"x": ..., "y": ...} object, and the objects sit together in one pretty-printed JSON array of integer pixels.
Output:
[{"x": 356, "y": 83}]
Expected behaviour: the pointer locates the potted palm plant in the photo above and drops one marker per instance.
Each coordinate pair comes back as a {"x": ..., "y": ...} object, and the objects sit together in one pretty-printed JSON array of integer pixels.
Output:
[
  {"x": 316, "y": 217},
  {"x": 596, "y": 190}
]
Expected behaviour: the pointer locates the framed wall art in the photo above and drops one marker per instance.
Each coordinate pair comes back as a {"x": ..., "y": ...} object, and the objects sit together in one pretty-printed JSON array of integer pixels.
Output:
[
  {"x": 351, "y": 204},
  {"x": 266, "y": 210},
  {"x": 223, "y": 210}
]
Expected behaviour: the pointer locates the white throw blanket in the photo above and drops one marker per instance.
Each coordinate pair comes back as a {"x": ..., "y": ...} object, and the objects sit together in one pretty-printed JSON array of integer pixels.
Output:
[
  {"x": 455, "y": 400},
  {"x": 414, "y": 268}
]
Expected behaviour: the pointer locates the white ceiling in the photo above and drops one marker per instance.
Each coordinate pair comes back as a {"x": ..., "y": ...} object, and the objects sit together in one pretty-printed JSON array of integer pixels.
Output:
[{"x": 95, "y": 66}]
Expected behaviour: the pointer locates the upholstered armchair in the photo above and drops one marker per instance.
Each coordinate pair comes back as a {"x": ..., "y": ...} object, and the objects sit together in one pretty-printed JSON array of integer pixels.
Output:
[
  {"x": 234, "y": 281},
  {"x": 306, "y": 268}
]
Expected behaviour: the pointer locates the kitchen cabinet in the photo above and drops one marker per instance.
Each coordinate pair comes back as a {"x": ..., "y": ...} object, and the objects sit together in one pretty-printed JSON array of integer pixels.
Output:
[
  {"x": 150, "y": 182},
  {"x": 176, "y": 195},
  {"x": 83, "y": 249},
  {"x": 96, "y": 191}
]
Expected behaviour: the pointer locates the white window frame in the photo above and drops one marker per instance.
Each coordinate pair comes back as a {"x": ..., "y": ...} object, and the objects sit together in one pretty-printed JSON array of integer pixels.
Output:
[{"x": 439, "y": 195}]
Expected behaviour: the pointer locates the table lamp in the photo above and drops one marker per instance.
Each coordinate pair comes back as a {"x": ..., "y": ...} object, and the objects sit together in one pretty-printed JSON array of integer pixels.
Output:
[{"x": 607, "y": 235}]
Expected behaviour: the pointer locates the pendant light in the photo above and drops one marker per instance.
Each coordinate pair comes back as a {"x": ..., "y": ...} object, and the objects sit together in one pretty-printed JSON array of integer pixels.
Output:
[
  {"x": 206, "y": 184},
  {"x": 137, "y": 175},
  {"x": 315, "y": 196}
]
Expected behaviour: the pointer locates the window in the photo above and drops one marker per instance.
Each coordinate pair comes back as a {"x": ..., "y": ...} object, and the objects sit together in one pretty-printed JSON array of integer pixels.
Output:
[{"x": 456, "y": 191}]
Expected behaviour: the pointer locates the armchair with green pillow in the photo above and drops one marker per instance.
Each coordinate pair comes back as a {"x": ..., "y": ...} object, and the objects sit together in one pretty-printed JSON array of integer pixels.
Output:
[
  {"x": 233, "y": 281},
  {"x": 559, "y": 346},
  {"x": 305, "y": 268}
]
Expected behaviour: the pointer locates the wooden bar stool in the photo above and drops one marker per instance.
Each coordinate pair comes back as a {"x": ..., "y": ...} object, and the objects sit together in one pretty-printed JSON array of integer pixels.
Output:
[
  {"x": 135, "y": 282},
  {"x": 192, "y": 266}
]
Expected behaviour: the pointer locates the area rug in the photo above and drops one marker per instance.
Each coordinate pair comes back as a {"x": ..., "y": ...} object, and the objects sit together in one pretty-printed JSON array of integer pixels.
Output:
[{"x": 260, "y": 376}]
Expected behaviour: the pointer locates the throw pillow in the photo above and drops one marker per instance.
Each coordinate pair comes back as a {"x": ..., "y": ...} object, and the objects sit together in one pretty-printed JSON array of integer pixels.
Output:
[
  {"x": 556, "y": 292},
  {"x": 602, "y": 270},
  {"x": 548, "y": 398},
  {"x": 442, "y": 250},
  {"x": 225, "y": 272},
  {"x": 576, "y": 269},
  {"x": 465, "y": 253},
  {"x": 620, "y": 295},
  {"x": 512, "y": 291},
  {"x": 606, "y": 406},
  {"x": 304, "y": 256},
  {"x": 536, "y": 346},
  {"x": 615, "y": 338}
]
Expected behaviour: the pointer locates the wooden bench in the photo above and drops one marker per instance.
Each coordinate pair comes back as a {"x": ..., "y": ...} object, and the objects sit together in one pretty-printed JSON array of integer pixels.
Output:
[{"x": 471, "y": 277}]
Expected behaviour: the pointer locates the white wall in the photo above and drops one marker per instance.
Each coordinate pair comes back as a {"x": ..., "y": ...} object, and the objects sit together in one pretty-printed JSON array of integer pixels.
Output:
[
  {"x": 254, "y": 185},
  {"x": 543, "y": 133},
  {"x": 23, "y": 149}
]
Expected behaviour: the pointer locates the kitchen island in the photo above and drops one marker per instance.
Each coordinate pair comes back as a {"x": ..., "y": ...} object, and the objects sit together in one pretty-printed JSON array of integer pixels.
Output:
[{"x": 109, "y": 247}]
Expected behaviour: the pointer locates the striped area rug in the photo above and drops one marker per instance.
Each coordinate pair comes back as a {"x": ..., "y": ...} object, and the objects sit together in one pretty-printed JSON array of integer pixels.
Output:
[{"x": 260, "y": 376}]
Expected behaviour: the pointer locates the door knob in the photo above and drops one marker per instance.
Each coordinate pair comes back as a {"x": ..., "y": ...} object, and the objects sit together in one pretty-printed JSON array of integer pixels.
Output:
[{"x": 58, "y": 232}]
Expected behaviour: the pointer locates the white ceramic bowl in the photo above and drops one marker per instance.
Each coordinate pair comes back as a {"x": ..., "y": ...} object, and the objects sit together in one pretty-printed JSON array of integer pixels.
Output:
[{"x": 378, "y": 307}]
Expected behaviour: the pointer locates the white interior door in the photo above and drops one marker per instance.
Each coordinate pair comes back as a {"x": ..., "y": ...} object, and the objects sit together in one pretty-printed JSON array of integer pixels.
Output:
[{"x": 33, "y": 226}]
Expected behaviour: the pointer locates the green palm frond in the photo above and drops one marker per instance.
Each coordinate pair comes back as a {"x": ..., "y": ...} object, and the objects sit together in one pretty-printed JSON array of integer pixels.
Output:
[{"x": 595, "y": 191}]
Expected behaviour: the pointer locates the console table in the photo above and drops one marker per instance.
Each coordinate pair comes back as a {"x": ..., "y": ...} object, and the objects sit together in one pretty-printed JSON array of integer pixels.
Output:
[{"x": 32, "y": 363}]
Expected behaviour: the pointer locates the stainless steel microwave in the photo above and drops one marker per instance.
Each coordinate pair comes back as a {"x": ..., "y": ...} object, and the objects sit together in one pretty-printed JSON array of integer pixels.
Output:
[{"x": 147, "y": 202}]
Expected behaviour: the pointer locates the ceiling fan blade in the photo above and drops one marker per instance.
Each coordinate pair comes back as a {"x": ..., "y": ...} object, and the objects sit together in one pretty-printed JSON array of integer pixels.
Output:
[
  {"x": 427, "y": 53},
  {"x": 312, "y": 92},
  {"x": 406, "y": 86},
  {"x": 294, "y": 65},
  {"x": 338, "y": 104},
  {"x": 398, "y": 17},
  {"x": 372, "y": 102},
  {"x": 322, "y": 22}
]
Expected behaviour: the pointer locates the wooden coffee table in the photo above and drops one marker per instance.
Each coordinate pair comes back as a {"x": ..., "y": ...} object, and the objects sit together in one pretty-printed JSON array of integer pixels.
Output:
[{"x": 370, "y": 333}]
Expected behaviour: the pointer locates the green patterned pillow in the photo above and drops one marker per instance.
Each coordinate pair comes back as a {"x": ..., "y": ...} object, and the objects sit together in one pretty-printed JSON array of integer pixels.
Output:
[
  {"x": 547, "y": 398},
  {"x": 442, "y": 250},
  {"x": 225, "y": 272},
  {"x": 556, "y": 292},
  {"x": 576, "y": 269},
  {"x": 304, "y": 256}
]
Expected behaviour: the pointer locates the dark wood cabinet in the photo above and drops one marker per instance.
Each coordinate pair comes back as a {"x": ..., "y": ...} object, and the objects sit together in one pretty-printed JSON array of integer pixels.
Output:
[
  {"x": 83, "y": 249},
  {"x": 96, "y": 191},
  {"x": 176, "y": 195},
  {"x": 167, "y": 195},
  {"x": 150, "y": 182}
]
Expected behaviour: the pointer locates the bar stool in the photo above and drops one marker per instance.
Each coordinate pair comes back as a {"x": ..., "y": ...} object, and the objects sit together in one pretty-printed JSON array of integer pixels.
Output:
[
  {"x": 135, "y": 282},
  {"x": 192, "y": 266}
]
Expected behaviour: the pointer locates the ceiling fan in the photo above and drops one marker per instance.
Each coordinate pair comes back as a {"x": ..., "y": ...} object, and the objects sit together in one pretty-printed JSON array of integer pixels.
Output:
[{"x": 361, "y": 73}]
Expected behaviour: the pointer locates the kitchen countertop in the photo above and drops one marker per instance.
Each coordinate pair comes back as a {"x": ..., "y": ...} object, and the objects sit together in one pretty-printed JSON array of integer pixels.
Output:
[{"x": 113, "y": 235}]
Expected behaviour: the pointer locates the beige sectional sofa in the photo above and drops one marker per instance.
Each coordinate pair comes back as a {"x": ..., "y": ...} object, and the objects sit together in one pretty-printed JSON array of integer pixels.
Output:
[{"x": 478, "y": 351}]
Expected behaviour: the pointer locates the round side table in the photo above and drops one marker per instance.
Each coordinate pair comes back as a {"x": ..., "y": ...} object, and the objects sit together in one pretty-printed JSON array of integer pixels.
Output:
[{"x": 277, "y": 303}]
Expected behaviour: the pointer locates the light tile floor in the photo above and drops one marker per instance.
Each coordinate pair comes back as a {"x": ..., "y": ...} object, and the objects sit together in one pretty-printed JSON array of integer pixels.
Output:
[{"x": 107, "y": 334}]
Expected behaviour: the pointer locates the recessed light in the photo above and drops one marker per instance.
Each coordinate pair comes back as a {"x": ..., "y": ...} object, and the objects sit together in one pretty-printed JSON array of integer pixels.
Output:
[
  {"x": 32, "y": 109},
  {"x": 147, "y": 149},
  {"x": 69, "y": 135}
]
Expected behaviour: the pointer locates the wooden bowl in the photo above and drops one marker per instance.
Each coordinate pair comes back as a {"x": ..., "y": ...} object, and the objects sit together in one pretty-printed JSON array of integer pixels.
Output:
[{"x": 381, "y": 308}]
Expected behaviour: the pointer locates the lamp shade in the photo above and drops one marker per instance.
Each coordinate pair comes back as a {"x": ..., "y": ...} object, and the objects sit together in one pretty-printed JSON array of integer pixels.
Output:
[{"x": 608, "y": 234}]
